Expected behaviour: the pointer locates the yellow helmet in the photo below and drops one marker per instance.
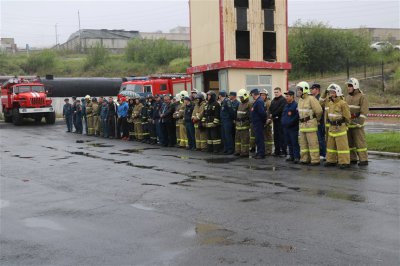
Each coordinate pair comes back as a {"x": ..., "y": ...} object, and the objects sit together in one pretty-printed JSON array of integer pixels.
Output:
[
  {"x": 304, "y": 86},
  {"x": 243, "y": 93}
]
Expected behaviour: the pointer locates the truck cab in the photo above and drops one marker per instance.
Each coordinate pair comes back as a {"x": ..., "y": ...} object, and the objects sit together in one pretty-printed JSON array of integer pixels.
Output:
[{"x": 26, "y": 99}]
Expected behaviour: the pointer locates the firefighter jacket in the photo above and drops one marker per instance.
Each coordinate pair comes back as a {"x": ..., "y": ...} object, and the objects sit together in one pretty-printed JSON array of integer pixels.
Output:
[
  {"x": 130, "y": 112},
  {"x": 144, "y": 112},
  {"x": 137, "y": 111},
  {"x": 358, "y": 104},
  {"x": 243, "y": 115},
  {"x": 212, "y": 112},
  {"x": 310, "y": 112},
  {"x": 150, "y": 110},
  {"x": 338, "y": 116},
  {"x": 89, "y": 109},
  {"x": 95, "y": 109},
  {"x": 198, "y": 113},
  {"x": 180, "y": 113},
  {"x": 235, "y": 106}
]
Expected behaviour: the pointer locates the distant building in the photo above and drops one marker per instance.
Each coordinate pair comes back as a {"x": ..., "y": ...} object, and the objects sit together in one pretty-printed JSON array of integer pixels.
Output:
[
  {"x": 117, "y": 40},
  {"x": 239, "y": 44},
  {"x": 113, "y": 40},
  {"x": 8, "y": 45},
  {"x": 382, "y": 34}
]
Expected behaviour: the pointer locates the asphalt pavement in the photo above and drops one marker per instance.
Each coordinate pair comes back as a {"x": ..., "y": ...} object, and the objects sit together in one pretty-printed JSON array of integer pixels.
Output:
[{"x": 68, "y": 199}]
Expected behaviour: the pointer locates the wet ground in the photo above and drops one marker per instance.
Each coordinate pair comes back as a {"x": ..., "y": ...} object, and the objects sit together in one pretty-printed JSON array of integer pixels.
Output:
[{"x": 68, "y": 199}]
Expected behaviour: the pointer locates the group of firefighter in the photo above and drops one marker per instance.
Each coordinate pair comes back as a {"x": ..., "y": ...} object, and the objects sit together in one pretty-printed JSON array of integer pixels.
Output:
[{"x": 317, "y": 126}]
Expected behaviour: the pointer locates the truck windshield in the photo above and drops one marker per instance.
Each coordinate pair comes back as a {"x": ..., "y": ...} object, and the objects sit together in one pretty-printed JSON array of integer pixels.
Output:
[
  {"x": 37, "y": 88},
  {"x": 20, "y": 89},
  {"x": 134, "y": 87}
]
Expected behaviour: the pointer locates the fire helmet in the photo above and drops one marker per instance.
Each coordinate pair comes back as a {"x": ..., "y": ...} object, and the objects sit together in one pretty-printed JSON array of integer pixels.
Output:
[
  {"x": 304, "y": 87},
  {"x": 354, "y": 83},
  {"x": 336, "y": 88}
]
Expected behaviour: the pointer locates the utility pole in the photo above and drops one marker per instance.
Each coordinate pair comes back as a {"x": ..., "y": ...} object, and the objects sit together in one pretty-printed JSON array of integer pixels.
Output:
[
  {"x": 80, "y": 39},
  {"x": 55, "y": 26}
]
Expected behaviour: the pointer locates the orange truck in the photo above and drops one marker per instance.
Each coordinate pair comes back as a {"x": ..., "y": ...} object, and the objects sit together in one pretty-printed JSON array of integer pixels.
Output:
[{"x": 21, "y": 98}]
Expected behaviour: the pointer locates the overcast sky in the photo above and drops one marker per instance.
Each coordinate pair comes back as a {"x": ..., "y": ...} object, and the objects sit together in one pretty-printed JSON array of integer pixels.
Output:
[{"x": 34, "y": 22}]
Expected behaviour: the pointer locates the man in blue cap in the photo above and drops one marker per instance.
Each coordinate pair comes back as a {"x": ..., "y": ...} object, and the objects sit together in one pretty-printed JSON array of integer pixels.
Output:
[
  {"x": 227, "y": 116},
  {"x": 290, "y": 124},
  {"x": 258, "y": 118}
]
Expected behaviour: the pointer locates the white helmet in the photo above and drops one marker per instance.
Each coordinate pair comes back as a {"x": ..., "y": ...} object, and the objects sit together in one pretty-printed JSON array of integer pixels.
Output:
[
  {"x": 204, "y": 95},
  {"x": 264, "y": 91},
  {"x": 87, "y": 97},
  {"x": 336, "y": 88},
  {"x": 183, "y": 94},
  {"x": 354, "y": 83}
]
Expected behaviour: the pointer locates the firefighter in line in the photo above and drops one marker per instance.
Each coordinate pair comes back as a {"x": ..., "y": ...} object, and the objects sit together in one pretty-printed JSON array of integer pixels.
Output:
[
  {"x": 316, "y": 90},
  {"x": 211, "y": 120},
  {"x": 180, "y": 120},
  {"x": 131, "y": 105},
  {"x": 74, "y": 113},
  {"x": 156, "y": 118},
  {"x": 95, "y": 114},
  {"x": 359, "y": 107},
  {"x": 268, "y": 138},
  {"x": 235, "y": 105},
  {"x": 227, "y": 116},
  {"x": 103, "y": 118},
  {"x": 145, "y": 120},
  {"x": 290, "y": 125},
  {"x": 167, "y": 121},
  {"x": 99, "y": 127},
  {"x": 339, "y": 116},
  {"x": 258, "y": 118},
  {"x": 112, "y": 118},
  {"x": 199, "y": 127},
  {"x": 177, "y": 105},
  {"x": 89, "y": 114},
  {"x": 67, "y": 114},
  {"x": 78, "y": 121},
  {"x": 150, "y": 114},
  {"x": 242, "y": 123},
  {"x": 137, "y": 119},
  {"x": 276, "y": 109},
  {"x": 189, "y": 124},
  {"x": 122, "y": 119},
  {"x": 84, "y": 117},
  {"x": 310, "y": 113}
]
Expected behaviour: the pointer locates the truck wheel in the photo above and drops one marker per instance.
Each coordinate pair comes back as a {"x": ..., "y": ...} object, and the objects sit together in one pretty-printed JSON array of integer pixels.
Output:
[
  {"x": 17, "y": 118},
  {"x": 50, "y": 118}
]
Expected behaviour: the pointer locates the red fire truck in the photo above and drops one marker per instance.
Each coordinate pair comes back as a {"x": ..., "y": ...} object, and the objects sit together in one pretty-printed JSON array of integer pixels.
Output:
[
  {"x": 156, "y": 84},
  {"x": 26, "y": 99}
]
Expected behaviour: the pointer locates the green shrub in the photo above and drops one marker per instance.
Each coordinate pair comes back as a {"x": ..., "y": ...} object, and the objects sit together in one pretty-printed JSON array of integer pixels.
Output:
[
  {"x": 97, "y": 56},
  {"x": 41, "y": 63}
]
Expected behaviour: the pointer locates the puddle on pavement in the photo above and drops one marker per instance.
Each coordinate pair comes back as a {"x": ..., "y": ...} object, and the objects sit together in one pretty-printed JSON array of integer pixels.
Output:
[
  {"x": 150, "y": 184},
  {"x": 192, "y": 178},
  {"x": 211, "y": 234},
  {"x": 50, "y": 148},
  {"x": 220, "y": 160},
  {"x": 249, "y": 200},
  {"x": 121, "y": 162},
  {"x": 261, "y": 168},
  {"x": 23, "y": 157},
  {"x": 178, "y": 156},
  {"x": 138, "y": 150},
  {"x": 118, "y": 153},
  {"x": 100, "y": 145},
  {"x": 83, "y": 141},
  {"x": 140, "y": 166},
  {"x": 335, "y": 195},
  {"x": 85, "y": 154},
  {"x": 42, "y": 223}
]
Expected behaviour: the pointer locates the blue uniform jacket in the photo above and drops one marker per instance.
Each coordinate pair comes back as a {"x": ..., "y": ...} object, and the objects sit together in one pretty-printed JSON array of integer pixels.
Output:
[
  {"x": 227, "y": 112},
  {"x": 67, "y": 109},
  {"x": 123, "y": 110},
  {"x": 104, "y": 111},
  {"x": 258, "y": 114},
  {"x": 290, "y": 116}
]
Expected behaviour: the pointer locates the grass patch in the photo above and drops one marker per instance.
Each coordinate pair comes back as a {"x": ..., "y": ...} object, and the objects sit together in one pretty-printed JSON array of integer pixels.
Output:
[{"x": 385, "y": 141}]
